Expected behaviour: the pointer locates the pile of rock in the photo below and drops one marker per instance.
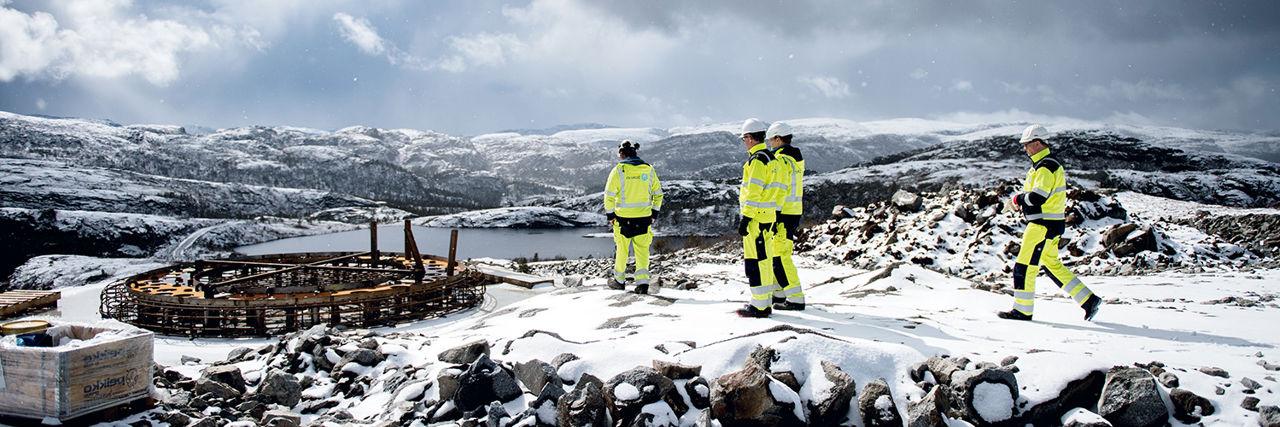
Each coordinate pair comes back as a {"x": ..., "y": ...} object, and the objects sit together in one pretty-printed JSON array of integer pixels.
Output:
[
  {"x": 325, "y": 371},
  {"x": 963, "y": 232}
]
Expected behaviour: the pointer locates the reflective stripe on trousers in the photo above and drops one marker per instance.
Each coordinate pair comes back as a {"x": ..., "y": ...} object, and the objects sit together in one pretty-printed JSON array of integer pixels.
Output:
[
  {"x": 624, "y": 247},
  {"x": 757, "y": 262},
  {"x": 1041, "y": 253},
  {"x": 784, "y": 268}
]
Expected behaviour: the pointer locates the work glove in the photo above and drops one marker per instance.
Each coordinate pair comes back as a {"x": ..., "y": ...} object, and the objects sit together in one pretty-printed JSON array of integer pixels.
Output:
[
  {"x": 653, "y": 217},
  {"x": 743, "y": 223},
  {"x": 1013, "y": 203},
  {"x": 611, "y": 217},
  {"x": 791, "y": 234}
]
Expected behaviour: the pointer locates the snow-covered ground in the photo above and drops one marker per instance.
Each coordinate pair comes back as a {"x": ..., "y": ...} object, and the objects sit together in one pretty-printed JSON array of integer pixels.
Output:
[{"x": 872, "y": 324}]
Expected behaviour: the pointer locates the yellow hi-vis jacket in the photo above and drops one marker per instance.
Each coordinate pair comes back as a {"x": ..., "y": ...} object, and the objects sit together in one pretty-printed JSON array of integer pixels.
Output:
[
  {"x": 1044, "y": 194},
  {"x": 632, "y": 190},
  {"x": 759, "y": 192},
  {"x": 791, "y": 164}
]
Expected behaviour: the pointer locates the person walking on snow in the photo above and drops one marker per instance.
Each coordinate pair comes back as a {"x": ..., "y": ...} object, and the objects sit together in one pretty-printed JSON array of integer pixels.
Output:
[
  {"x": 787, "y": 295},
  {"x": 632, "y": 198},
  {"x": 757, "y": 205},
  {"x": 1043, "y": 201}
]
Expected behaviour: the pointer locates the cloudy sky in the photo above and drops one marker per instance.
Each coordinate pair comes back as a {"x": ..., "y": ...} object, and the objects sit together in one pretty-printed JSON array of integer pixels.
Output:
[{"x": 474, "y": 66}]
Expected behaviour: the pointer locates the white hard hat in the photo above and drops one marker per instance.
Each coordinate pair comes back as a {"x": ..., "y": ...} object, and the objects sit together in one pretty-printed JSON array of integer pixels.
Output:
[
  {"x": 778, "y": 129},
  {"x": 1033, "y": 133},
  {"x": 753, "y": 125}
]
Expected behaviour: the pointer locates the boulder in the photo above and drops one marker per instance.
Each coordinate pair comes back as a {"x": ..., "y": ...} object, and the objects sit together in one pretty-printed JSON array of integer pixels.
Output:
[
  {"x": 1250, "y": 384},
  {"x": 906, "y": 201},
  {"x": 1080, "y": 417},
  {"x": 208, "y": 386},
  {"x": 240, "y": 354},
  {"x": 1269, "y": 416},
  {"x": 562, "y": 359},
  {"x": 1117, "y": 234},
  {"x": 362, "y": 356},
  {"x": 280, "y": 387},
  {"x": 584, "y": 406},
  {"x": 189, "y": 360},
  {"x": 466, "y": 353},
  {"x": 225, "y": 374},
  {"x": 628, "y": 392},
  {"x": 940, "y": 367},
  {"x": 877, "y": 406},
  {"x": 1080, "y": 393},
  {"x": 482, "y": 383},
  {"x": 676, "y": 371},
  {"x": 929, "y": 411},
  {"x": 832, "y": 405},
  {"x": 1168, "y": 379},
  {"x": 763, "y": 357},
  {"x": 279, "y": 418},
  {"x": 1250, "y": 403},
  {"x": 1146, "y": 240},
  {"x": 1131, "y": 397},
  {"x": 699, "y": 392},
  {"x": 984, "y": 396},
  {"x": 536, "y": 374},
  {"x": 1215, "y": 372},
  {"x": 788, "y": 378},
  {"x": 746, "y": 398},
  {"x": 1188, "y": 407}
]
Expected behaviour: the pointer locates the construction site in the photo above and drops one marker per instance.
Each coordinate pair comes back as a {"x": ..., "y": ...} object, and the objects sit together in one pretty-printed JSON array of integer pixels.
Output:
[{"x": 269, "y": 295}]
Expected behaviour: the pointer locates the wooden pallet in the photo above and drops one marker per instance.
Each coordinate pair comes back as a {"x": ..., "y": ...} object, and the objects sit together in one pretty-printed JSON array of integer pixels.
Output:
[{"x": 15, "y": 302}]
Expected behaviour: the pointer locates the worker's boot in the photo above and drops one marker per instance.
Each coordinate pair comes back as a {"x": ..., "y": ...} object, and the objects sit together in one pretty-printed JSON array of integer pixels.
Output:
[
  {"x": 750, "y": 311},
  {"x": 1091, "y": 307},
  {"x": 788, "y": 305},
  {"x": 779, "y": 299},
  {"x": 641, "y": 289},
  {"x": 616, "y": 285},
  {"x": 1013, "y": 315}
]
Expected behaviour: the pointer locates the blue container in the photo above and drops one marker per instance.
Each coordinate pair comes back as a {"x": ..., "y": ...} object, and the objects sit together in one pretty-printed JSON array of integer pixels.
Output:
[{"x": 37, "y": 339}]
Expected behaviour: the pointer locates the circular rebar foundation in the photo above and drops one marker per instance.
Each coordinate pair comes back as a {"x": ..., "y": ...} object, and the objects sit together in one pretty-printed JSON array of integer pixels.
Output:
[{"x": 271, "y": 295}]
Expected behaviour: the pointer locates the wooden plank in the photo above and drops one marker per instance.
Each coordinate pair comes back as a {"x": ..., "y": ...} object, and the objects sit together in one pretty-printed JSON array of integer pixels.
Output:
[
  {"x": 507, "y": 276},
  {"x": 12, "y": 304}
]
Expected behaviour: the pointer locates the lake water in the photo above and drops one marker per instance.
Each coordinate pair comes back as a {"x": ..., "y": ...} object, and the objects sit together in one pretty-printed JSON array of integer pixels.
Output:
[{"x": 506, "y": 243}]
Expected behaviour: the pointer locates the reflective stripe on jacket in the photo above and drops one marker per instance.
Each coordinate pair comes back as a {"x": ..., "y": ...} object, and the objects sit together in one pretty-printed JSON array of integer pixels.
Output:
[
  {"x": 758, "y": 193},
  {"x": 1044, "y": 194},
  {"x": 632, "y": 190},
  {"x": 792, "y": 168}
]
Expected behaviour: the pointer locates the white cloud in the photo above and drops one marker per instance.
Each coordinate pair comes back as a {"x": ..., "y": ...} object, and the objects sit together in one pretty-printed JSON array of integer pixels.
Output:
[
  {"x": 359, "y": 32},
  {"x": 102, "y": 39},
  {"x": 829, "y": 87},
  {"x": 962, "y": 86},
  {"x": 365, "y": 36},
  {"x": 919, "y": 74},
  {"x": 40, "y": 104},
  {"x": 482, "y": 49}
]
